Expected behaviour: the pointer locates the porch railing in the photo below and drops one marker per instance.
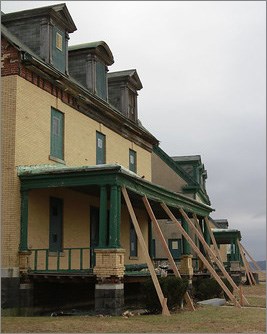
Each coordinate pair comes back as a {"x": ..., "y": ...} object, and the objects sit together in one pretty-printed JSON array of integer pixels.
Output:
[{"x": 66, "y": 260}]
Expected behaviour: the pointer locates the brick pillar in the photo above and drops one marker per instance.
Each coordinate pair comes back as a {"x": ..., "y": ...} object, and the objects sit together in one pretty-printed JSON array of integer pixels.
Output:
[{"x": 109, "y": 290}]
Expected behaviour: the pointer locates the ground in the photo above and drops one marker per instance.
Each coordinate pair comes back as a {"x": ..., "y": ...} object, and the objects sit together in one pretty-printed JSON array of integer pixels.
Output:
[{"x": 226, "y": 319}]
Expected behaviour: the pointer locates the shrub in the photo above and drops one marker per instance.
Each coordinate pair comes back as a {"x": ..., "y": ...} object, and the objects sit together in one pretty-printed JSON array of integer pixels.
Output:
[
  {"x": 207, "y": 288},
  {"x": 173, "y": 289}
]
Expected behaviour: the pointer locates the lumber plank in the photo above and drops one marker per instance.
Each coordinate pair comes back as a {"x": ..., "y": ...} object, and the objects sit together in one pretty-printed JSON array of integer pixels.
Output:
[
  {"x": 212, "y": 254},
  {"x": 165, "y": 310},
  {"x": 251, "y": 258},
  {"x": 201, "y": 256},
  {"x": 166, "y": 248},
  {"x": 213, "y": 239},
  {"x": 245, "y": 263}
]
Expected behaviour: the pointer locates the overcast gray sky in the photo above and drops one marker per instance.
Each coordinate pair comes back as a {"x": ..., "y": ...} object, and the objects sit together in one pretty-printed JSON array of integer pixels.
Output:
[{"x": 203, "y": 69}]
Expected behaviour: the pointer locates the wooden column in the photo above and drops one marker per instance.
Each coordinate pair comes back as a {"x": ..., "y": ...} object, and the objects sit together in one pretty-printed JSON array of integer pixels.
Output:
[
  {"x": 103, "y": 218},
  {"x": 24, "y": 220},
  {"x": 113, "y": 218},
  {"x": 202, "y": 257},
  {"x": 166, "y": 248},
  {"x": 162, "y": 299}
]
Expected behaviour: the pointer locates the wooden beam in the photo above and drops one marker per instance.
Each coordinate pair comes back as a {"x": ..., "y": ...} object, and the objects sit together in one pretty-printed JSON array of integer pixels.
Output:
[
  {"x": 162, "y": 299},
  {"x": 245, "y": 263},
  {"x": 213, "y": 240},
  {"x": 212, "y": 254},
  {"x": 202, "y": 257},
  {"x": 166, "y": 248},
  {"x": 251, "y": 258}
]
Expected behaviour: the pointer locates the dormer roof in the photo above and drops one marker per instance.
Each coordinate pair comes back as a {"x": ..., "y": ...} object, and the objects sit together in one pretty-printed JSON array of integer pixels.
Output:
[
  {"x": 126, "y": 75},
  {"x": 100, "y": 48},
  {"x": 58, "y": 12}
]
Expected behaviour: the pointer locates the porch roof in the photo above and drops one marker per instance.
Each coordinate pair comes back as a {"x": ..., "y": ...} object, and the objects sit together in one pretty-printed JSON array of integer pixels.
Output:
[
  {"x": 225, "y": 236},
  {"x": 89, "y": 178}
]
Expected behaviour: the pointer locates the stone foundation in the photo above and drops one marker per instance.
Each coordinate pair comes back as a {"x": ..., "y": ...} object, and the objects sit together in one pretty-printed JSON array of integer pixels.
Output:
[{"x": 109, "y": 298}]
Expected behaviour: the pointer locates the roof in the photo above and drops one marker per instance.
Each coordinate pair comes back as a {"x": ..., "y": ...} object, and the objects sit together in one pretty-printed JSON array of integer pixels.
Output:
[
  {"x": 186, "y": 158},
  {"x": 99, "y": 47},
  {"x": 33, "y": 61},
  {"x": 59, "y": 12},
  {"x": 126, "y": 75},
  {"x": 84, "y": 178}
]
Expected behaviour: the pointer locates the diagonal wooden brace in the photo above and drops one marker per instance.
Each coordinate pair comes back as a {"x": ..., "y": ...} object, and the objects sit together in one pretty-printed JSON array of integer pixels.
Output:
[
  {"x": 162, "y": 299},
  {"x": 201, "y": 256},
  {"x": 166, "y": 248}
]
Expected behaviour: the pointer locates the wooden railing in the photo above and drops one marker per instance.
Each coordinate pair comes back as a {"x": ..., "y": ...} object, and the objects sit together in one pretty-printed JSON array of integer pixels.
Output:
[{"x": 66, "y": 260}]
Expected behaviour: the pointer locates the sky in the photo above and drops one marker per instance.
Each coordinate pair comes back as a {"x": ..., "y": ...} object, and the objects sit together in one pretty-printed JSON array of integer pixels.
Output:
[{"x": 203, "y": 69}]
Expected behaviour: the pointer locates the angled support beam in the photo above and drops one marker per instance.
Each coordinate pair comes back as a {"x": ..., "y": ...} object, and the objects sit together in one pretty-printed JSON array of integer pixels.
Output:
[
  {"x": 251, "y": 258},
  {"x": 166, "y": 248},
  {"x": 213, "y": 255},
  {"x": 213, "y": 239},
  {"x": 246, "y": 265},
  {"x": 162, "y": 299},
  {"x": 201, "y": 256}
]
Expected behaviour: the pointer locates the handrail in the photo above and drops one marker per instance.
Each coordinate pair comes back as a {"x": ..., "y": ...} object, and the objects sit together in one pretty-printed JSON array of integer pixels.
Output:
[{"x": 58, "y": 255}]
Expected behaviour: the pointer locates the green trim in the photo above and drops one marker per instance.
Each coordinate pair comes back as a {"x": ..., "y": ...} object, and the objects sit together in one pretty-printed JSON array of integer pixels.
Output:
[
  {"x": 186, "y": 246},
  {"x": 24, "y": 221},
  {"x": 103, "y": 218},
  {"x": 206, "y": 233},
  {"x": 119, "y": 218},
  {"x": 39, "y": 178},
  {"x": 113, "y": 218}
]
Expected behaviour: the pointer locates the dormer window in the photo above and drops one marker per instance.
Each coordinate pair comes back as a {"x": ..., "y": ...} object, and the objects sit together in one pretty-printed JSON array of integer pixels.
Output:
[
  {"x": 88, "y": 64},
  {"x": 122, "y": 92},
  {"x": 59, "y": 41}
]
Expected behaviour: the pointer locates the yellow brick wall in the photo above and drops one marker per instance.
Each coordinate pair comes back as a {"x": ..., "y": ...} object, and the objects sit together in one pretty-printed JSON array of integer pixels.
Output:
[
  {"x": 125, "y": 235},
  {"x": 33, "y": 134},
  {"x": 10, "y": 198},
  {"x": 26, "y": 141}
]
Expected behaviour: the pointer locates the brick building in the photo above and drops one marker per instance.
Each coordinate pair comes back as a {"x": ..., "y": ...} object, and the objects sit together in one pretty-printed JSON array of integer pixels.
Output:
[{"x": 70, "y": 141}]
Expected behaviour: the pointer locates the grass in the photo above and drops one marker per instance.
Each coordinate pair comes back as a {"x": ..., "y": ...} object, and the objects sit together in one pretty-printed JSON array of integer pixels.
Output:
[{"x": 203, "y": 320}]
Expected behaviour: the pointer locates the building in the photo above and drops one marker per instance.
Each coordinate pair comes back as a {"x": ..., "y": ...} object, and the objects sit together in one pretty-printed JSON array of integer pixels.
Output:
[{"x": 71, "y": 142}]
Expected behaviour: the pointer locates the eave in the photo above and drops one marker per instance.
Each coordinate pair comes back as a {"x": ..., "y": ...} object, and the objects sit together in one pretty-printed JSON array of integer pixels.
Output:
[{"x": 85, "y": 177}]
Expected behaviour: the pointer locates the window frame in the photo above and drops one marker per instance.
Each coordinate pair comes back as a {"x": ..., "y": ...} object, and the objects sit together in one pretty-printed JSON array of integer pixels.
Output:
[
  {"x": 100, "y": 135},
  {"x": 57, "y": 145}
]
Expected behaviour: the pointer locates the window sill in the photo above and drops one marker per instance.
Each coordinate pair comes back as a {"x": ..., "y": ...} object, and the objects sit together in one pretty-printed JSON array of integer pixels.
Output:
[
  {"x": 133, "y": 257},
  {"x": 57, "y": 160}
]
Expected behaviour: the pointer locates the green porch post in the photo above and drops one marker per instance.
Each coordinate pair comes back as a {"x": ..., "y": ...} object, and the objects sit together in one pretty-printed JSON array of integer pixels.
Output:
[
  {"x": 186, "y": 247},
  {"x": 206, "y": 233},
  {"x": 237, "y": 251},
  {"x": 24, "y": 221},
  {"x": 119, "y": 218},
  {"x": 103, "y": 218},
  {"x": 232, "y": 250},
  {"x": 113, "y": 218}
]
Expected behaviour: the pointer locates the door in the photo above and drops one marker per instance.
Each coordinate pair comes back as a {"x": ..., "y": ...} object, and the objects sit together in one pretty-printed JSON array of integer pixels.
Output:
[
  {"x": 94, "y": 233},
  {"x": 55, "y": 228},
  {"x": 175, "y": 248}
]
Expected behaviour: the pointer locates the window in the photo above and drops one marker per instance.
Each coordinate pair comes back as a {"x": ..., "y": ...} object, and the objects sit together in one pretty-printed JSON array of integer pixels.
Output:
[
  {"x": 59, "y": 41},
  {"x": 132, "y": 161},
  {"x": 100, "y": 148},
  {"x": 132, "y": 106},
  {"x": 57, "y": 135},
  {"x": 133, "y": 241},
  {"x": 55, "y": 225},
  {"x": 101, "y": 80}
]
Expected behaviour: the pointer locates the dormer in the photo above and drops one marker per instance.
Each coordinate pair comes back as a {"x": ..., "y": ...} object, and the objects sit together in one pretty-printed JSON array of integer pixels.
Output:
[
  {"x": 45, "y": 31},
  {"x": 122, "y": 91},
  {"x": 88, "y": 65}
]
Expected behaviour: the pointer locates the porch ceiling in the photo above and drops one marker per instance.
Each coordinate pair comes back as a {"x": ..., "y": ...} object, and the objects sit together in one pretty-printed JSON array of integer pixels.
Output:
[{"x": 88, "y": 179}]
